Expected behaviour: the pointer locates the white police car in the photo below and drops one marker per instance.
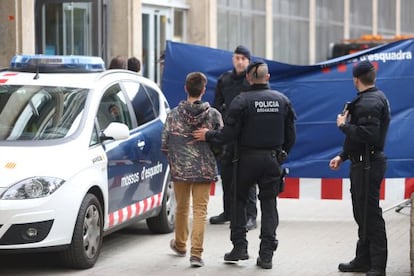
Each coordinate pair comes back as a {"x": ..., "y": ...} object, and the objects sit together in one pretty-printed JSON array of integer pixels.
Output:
[{"x": 79, "y": 156}]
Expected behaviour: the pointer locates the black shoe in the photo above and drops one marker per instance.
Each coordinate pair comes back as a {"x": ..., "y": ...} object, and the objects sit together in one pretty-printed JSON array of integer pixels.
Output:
[
  {"x": 236, "y": 254},
  {"x": 251, "y": 224},
  {"x": 220, "y": 219},
  {"x": 264, "y": 263},
  {"x": 353, "y": 266},
  {"x": 376, "y": 272}
]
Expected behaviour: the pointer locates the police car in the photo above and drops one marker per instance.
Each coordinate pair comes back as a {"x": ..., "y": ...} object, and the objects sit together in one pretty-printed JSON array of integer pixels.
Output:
[{"x": 80, "y": 156}]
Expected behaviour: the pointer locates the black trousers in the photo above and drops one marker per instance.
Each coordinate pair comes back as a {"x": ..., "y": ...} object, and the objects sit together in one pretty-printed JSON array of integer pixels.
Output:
[
  {"x": 226, "y": 173},
  {"x": 259, "y": 167},
  {"x": 372, "y": 248}
]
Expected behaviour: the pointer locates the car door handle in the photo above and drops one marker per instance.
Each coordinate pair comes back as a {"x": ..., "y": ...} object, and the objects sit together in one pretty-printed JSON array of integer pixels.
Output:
[{"x": 141, "y": 144}]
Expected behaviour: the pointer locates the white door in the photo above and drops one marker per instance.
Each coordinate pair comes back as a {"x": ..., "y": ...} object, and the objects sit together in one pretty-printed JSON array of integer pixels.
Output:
[{"x": 157, "y": 28}]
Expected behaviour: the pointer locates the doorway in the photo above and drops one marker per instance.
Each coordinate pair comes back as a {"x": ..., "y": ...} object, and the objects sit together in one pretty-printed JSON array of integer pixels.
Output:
[
  {"x": 157, "y": 28},
  {"x": 65, "y": 27}
]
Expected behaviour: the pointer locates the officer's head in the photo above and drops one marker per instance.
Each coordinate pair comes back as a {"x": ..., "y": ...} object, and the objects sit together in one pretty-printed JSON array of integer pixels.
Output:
[
  {"x": 241, "y": 59},
  {"x": 257, "y": 72},
  {"x": 364, "y": 74},
  {"x": 195, "y": 84}
]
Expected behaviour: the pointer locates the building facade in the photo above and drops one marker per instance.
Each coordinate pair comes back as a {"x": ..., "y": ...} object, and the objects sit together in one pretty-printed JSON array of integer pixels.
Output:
[{"x": 291, "y": 31}]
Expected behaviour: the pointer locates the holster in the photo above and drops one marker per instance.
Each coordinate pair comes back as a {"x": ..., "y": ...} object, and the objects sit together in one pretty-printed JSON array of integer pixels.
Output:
[{"x": 283, "y": 173}]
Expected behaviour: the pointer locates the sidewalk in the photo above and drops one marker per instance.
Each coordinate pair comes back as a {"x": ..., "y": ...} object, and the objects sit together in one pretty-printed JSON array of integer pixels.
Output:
[{"x": 314, "y": 237}]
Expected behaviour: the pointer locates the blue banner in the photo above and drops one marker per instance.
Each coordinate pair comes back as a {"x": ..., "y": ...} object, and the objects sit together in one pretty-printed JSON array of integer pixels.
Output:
[{"x": 318, "y": 93}]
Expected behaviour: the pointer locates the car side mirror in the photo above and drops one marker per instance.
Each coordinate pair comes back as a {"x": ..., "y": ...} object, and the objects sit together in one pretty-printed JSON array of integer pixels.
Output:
[{"x": 115, "y": 131}]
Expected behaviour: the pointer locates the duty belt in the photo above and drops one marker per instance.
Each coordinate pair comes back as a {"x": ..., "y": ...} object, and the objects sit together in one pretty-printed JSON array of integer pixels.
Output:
[
  {"x": 360, "y": 157},
  {"x": 259, "y": 150}
]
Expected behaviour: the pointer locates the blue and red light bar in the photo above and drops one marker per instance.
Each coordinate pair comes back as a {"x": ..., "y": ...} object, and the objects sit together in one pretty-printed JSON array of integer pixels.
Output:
[{"x": 56, "y": 64}]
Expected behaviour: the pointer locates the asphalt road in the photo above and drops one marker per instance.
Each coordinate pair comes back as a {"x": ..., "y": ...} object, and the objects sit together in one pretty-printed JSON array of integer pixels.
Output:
[{"x": 314, "y": 236}]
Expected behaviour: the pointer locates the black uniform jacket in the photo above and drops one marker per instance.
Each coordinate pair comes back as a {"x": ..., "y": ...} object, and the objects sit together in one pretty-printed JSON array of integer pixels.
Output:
[
  {"x": 259, "y": 118},
  {"x": 229, "y": 85},
  {"x": 369, "y": 120}
]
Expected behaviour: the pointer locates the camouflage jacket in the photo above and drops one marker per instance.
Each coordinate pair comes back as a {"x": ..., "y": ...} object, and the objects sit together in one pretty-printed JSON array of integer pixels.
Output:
[{"x": 190, "y": 160}]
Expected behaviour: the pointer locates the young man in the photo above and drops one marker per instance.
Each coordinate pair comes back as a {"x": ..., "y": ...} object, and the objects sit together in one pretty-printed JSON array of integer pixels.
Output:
[
  {"x": 192, "y": 164},
  {"x": 365, "y": 131},
  {"x": 229, "y": 85}
]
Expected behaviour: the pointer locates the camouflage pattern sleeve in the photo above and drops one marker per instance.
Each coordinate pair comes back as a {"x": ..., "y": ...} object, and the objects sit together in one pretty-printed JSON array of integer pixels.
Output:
[{"x": 165, "y": 134}]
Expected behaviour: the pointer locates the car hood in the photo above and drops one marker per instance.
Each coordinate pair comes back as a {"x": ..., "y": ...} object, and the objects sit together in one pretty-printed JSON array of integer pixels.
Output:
[{"x": 17, "y": 163}]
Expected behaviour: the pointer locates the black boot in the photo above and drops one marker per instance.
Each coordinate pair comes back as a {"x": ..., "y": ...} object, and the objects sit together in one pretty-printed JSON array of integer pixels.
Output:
[
  {"x": 219, "y": 219},
  {"x": 236, "y": 254},
  {"x": 265, "y": 263},
  {"x": 353, "y": 266},
  {"x": 376, "y": 272}
]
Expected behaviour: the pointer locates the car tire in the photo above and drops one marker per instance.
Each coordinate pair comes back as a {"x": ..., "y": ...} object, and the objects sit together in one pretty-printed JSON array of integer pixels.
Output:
[
  {"x": 164, "y": 222},
  {"x": 86, "y": 244}
]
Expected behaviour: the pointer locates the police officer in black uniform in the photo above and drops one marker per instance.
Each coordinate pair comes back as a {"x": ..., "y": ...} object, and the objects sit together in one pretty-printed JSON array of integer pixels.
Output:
[
  {"x": 229, "y": 85},
  {"x": 365, "y": 125},
  {"x": 262, "y": 122}
]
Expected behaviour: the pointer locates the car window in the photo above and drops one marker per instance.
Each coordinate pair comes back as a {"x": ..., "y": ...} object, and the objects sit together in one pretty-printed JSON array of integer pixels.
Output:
[
  {"x": 113, "y": 108},
  {"x": 40, "y": 112},
  {"x": 145, "y": 101},
  {"x": 154, "y": 98}
]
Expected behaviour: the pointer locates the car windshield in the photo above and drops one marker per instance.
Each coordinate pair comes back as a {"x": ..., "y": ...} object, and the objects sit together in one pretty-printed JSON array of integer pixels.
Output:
[{"x": 39, "y": 112}]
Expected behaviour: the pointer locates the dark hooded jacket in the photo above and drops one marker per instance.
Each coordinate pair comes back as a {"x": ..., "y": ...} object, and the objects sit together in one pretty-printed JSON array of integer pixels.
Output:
[{"x": 190, "y": 160}]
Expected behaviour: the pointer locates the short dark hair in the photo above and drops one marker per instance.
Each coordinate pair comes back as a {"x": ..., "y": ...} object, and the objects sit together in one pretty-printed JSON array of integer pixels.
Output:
[
  {"x": 134, "y": 64},
  {"x": 365, "y": 72},
  {"x": 368, "y": 78},
  {"x": 195, "y": 83},
  {"x": 118, "y": 62},
  {"x": 257, "y": 69}
]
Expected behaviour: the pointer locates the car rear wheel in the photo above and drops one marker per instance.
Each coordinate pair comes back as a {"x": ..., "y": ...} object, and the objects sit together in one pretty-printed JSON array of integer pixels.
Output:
[
  {"x": 87, "y": 236},
  {"x": 164, "y": 222}
]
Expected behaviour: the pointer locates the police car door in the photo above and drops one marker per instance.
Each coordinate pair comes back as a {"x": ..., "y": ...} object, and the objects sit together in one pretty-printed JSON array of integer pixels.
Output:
[
  {"x": 123, "y": 166},
  {"x": 146, "y": 105}
]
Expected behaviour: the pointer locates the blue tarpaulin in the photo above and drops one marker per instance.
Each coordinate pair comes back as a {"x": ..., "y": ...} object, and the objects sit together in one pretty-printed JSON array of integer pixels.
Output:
[{"x": 318, "y": 93}]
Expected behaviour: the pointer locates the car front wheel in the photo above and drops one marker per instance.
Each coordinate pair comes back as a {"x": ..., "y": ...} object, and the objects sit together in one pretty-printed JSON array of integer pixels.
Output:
[{"x": 86, "y": 243}]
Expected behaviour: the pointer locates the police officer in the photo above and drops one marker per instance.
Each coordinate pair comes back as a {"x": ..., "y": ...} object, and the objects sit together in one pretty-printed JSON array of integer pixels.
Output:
[
  {"x": 365, "y": 130},
  {"x": 229, "y": 85},
  {"x": 262, "y": 122}
]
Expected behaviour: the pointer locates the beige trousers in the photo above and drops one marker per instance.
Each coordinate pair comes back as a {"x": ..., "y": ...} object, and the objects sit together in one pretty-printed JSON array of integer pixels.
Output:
[{"x": 200, "y": 193}]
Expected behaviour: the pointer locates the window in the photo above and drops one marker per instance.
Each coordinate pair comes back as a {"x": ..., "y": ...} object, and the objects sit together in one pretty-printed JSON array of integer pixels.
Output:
[
  {"x": 291, "y": 31},
  {"x": 179, "y": 25},
  {"x": 329, "y": 26},
  {"x": 361, "y": 18},
  {"x": 145, "y": 101},
  {"x": 113, "y": 108},
  {"x": 407, "y": 22},
  {"x": 40, "y": 112},
  {"x": 65, "y": 27},
  {"x": 386, "y": 20},
  {"x": 242, "y": 22}
]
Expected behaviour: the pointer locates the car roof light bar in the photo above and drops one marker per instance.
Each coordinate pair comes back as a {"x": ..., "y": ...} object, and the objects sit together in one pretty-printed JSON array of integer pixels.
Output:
[{"x": 56, "y": 64}]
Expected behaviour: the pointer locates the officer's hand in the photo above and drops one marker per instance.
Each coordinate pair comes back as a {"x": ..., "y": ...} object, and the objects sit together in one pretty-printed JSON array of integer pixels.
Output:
[
  {"x": 335, "y": 163},
  {"x": 341, "y": 119},
  {"x": 200, "y": 134}
]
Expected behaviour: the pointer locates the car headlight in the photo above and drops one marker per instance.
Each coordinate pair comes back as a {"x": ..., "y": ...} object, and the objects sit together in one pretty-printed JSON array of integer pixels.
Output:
[{"x": 35, "y": 187}]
